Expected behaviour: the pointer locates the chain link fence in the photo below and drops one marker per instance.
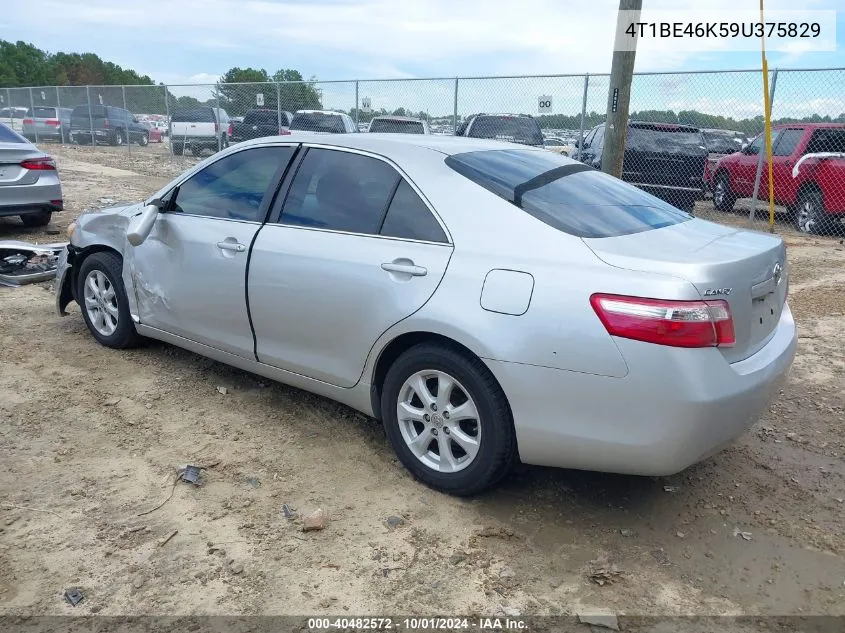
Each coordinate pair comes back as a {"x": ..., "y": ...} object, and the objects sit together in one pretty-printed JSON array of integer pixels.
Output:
[{"x": 694, "y": 139}]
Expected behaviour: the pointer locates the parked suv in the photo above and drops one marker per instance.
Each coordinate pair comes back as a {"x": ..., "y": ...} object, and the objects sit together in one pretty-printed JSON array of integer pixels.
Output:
[
  {"x": 515, "y": 128},
  {"x": 664, "y": 159},
  {"x": 259, "y": 123},
  {"x": 808, "y": 169},
  {"x": 47, "y": 122},
  {"x": 720, "y": 143},
  {"x": 199, "y": 128},
  {"x": 399, "y": 125},
  {"x": 109, "y": 124},
  {"x": 323, "y": 121}
]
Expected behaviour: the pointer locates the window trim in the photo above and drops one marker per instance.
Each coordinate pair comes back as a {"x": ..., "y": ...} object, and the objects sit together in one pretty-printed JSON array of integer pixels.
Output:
[
  {"x": 276, "y": 213},
  {"x": 275, "y": 184}
]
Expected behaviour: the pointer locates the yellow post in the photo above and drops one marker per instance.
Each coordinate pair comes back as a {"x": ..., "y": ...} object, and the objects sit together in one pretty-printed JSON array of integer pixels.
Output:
[{"x": 767, "y": 115}]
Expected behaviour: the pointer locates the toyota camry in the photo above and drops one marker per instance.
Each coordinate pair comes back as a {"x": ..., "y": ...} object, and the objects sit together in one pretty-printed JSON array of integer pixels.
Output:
[{"x": 486, "y": 301}]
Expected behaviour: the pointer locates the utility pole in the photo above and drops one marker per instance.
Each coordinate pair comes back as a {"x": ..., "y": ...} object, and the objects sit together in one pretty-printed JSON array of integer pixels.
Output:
[{"x": 619, "y": 95}]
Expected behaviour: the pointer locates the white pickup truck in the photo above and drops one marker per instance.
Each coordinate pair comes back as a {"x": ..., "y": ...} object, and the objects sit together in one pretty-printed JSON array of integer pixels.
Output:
[{"x": 197, "y": 129}]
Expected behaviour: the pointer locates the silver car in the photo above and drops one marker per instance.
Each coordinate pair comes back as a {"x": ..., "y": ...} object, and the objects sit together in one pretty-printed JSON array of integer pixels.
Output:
[
  {"x": 488, "y": 302},
  {"x": 47, "y": 122},
  {"x": 29, "y": 182}
]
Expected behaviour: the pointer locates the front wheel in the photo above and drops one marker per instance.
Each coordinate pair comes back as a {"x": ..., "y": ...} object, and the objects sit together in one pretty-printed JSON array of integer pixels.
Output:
[
  {"x": 102, "y": 297},
  {"x": 723, "y": 197},
  {"x": 144, "y": 140},
  {"x": 810, "y": 216},
  {"x": 448, "y": 420}
]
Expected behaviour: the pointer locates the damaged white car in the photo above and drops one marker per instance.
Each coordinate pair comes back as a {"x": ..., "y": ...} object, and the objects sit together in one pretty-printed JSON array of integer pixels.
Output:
[{"x": 26, "y": 263}]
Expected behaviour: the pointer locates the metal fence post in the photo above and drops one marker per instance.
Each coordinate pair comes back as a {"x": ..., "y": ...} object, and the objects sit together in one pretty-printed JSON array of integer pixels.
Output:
[
  {"x": 128, "y": 123},
  {"x": 762, "y": 153},
  {"x": 62, "y": 133},
  {"x": 9, "y": 104},
  {"x": 167, "y": 117},
  {"x": 279, "y": 105},
  {"x": 90, "y": 115},
  {"x": 455, "y": 114},
  {"x": 583, "y": 115},
  {"x": 217, "y": 102},
  {"x": 32, "y": 114},
  {"x": 357, "y": 107}
]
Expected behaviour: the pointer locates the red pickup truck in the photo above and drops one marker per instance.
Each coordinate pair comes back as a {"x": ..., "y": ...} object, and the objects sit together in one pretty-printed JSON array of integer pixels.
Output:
[{"x": 808, "y": 169}]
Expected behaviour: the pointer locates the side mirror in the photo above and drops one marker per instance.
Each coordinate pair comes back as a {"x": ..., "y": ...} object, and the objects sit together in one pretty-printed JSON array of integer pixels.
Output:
[
  {"x": 141, "y": 224},
  {"x": 577, "y": 143}
]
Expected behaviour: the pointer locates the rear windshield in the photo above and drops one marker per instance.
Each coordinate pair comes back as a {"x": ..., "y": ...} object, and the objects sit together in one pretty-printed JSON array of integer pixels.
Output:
[
  {"x": 194, "y": 115},
  {"x": 9, "y": 136},
  {"x": 566, "y": 195},
  {"x": 97, "y": 112},
  {"x": 722, "y": 141},
  {"x": 507, "y": 128},
  {"x": 13, "y": 113},
  {"x": 262, "y": 117},
  {"x": 646, "y": 138},
  {"x": 317, "y": 122},
  {"x": 42, "y": 113},
  {"x": 393, "y": 126}
]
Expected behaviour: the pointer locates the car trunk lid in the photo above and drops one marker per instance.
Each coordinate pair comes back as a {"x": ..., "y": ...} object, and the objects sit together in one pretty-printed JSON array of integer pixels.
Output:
[
  {"x": 746, "y": 269},
  {"x": 11, "y": 171}
]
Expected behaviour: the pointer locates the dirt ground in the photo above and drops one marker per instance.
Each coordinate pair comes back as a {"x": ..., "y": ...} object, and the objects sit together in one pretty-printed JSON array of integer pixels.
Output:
[{"x": 91, "y": 440}]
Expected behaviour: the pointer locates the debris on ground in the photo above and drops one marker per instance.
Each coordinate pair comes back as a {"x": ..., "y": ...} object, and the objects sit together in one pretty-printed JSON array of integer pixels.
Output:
[
  {"x": 744, "y": 535},
  {"x": 287, "y": 511},
  {"x": 107, "y": 201},
  {"x": 191, "y": 475},
  {"x": 394, "y": 522},
  {"x": 671, "y": 488},
  {"x": 602, "y": 572},
  {"x": 495, "y": 532},
  {"x": 604, "y": 620},
  {"x": 680, "y": 534},
  {"x": 317, "y": 520},
  {"x": 626, "y": 532},
  {"x": 167, "y": 540},
  {"x": 74, "y": 596},
  {"x": 511, "y": 612},
  {"x": 222, "y": 390}
]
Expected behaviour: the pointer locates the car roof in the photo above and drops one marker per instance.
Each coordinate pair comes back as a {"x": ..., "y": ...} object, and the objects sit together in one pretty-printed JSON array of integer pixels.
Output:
[
  {"x": 391, "y": 144},
  {"x": 780, "y": 126},
  {"x": 390, "y": 117},
  {"x": 319, "y": 112}
]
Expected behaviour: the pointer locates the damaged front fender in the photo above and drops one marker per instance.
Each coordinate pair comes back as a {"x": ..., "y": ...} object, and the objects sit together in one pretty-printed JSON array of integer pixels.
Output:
[{"x": 25, "y": 263}]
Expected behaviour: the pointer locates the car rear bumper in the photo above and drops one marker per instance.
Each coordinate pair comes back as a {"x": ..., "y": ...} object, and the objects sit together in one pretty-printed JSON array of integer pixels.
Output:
[
  {"x": 674, "y": 408},
  {"x": 44, "y": 195}
]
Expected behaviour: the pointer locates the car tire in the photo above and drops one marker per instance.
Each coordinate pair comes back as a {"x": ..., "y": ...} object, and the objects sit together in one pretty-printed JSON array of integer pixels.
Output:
[
  {"x": 810, "y": 216},
  {"x": 42, "y": 218},
  {"x": 103, "y": 302},
  {"x": 723, "y": 197},
  {"x": 144, "y": 140},
  {"x": 466, "y": 472},
  {"x": 117, "y": 139}
]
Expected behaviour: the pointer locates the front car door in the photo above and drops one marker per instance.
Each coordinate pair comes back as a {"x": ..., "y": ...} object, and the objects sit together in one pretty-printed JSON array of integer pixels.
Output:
[
  {"x": 782, "y": 162},
  {"x": 354, "y": 250},
  {"x": 190, "y": 273}
]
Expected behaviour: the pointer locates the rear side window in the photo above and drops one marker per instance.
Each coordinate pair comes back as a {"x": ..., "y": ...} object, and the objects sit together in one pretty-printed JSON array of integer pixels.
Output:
[
  {"x": 787, "y": 142},
  {"x": 396, "y": 127},
  {"x": 567, "y": 196},
  {"x": 261, "y": 117},
  {"x": 96, "y": 112},
  {"x": 194, "y": 115},
  {"x": 826, "y": 140},
  {"x": 341, "y": 191},
  {"x": 655, "y": 138},
  {"x": 318, "y": 122},
  {"x": 408, "y": 217},
  {"x": 723, "y": 141},
  {"x": 9, "y": 136},
  {"x": 42, "y": 113},
  {"x": 515, "y": 129}
]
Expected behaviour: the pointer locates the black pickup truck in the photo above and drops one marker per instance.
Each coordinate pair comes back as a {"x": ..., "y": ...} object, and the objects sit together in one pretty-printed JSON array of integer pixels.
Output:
[{"x": 258, "y": 123}]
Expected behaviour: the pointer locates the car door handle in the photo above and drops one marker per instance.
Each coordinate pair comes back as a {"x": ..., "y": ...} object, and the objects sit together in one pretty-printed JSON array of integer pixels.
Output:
[
  {"x": 404, "y": 269},
  {"x": 231, "y": 246}
]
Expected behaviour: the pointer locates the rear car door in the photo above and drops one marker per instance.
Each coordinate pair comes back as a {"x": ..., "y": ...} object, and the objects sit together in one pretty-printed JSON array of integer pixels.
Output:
[
  {"x": 354, "y": 250},
  {"x": 189, "y": 274}
]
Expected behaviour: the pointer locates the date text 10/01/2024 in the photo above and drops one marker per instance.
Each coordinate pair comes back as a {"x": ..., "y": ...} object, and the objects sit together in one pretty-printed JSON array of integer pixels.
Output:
[{"x": 417, "y": 624}]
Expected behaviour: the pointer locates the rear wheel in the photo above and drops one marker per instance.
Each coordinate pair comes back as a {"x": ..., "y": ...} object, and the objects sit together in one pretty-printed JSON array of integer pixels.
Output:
[
  {"x": 810, "y": 216},
  {"x": 102, "y": 298},
  {"x": 144, "y": 140},
  {"x": 42, "y": 218},
  {"x": 723, "y": 197},
  {"x": 448, "y": 419},
  {"x": 117, "y": 138}
]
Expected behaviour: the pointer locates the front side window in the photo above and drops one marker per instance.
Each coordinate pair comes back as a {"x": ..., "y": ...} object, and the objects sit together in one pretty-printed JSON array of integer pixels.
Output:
[
  {"x": 233, "y": 187},
  {"x": 598, "y": 139},
  {"x": 787, "y": 142},
  {"x": 341, "y": 191},
  {"x": 567, "y": 196}
]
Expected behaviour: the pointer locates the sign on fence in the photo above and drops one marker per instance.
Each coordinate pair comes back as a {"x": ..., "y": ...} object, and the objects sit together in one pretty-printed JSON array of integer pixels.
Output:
[
  {"x": 259, "y": 99},
  {"x": 366, "y": 105},
  {"x": 544, "y": 104}
]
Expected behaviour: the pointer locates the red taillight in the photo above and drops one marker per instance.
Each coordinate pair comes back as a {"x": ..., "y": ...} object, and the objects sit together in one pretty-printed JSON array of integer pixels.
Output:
[
  {"x": 42, "y": 163},
  {"x": 53, "y": 122},
  {"x": 106, "y": 123},
  {"x": 28, "y": 121},
  {"x": 283, "y": 131},
  {"x": 664, "y": 322},
  {"x": 230, "y": 130}
]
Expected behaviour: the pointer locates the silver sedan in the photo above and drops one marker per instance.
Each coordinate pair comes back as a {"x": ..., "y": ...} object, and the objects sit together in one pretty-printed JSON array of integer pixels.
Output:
[{"x": 487, "y": 301}]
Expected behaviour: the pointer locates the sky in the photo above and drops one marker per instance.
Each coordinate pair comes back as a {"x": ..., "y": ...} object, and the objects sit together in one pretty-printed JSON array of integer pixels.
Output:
[{"x": 195, "y": 41}]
